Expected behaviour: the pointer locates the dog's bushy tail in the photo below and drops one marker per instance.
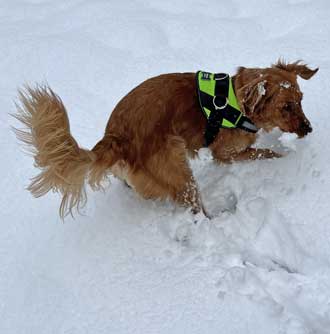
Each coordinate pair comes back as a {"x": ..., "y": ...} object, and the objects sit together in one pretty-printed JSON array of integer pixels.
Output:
[{"x": 64, "y": 165}]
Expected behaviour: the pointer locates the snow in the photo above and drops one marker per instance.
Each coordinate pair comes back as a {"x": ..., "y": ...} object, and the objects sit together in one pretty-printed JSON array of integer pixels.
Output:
[
  {"x": 261, "y": 265},
  {"x": 261, "y": 88},
  {"x": 288, "y": 140},
  {"x": 285, "y": 84}
]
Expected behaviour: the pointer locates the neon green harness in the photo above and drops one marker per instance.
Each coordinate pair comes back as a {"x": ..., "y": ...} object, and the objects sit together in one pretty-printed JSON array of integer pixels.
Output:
[{"x": 219, "y": 104}]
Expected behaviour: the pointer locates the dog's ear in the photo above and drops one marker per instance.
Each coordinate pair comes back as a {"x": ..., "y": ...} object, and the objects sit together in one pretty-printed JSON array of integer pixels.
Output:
[
  {"x": 253, "y": 95},
  {"x": 299, "y": 69}
]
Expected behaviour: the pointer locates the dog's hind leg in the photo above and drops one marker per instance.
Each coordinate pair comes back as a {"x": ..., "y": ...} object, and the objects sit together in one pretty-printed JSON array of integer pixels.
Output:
[{"x": 167, "y": 174}]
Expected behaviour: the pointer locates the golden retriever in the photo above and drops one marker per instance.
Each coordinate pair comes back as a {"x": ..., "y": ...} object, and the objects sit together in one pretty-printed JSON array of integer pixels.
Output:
[{"x": 151, "y": 132}]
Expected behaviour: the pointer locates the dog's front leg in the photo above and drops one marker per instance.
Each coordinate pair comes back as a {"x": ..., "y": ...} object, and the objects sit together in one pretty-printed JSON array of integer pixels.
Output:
[
  {"x": 230, "y": 155},
  {"x": 255, "y": 154}
]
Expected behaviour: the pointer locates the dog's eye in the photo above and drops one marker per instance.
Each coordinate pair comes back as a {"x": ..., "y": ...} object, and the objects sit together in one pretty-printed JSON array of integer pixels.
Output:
[{"x": 288, "y": 107}]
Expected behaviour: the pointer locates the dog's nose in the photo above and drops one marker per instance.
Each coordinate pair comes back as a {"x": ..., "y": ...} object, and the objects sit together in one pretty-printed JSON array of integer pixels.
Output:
[{"x": 305, "y": 127}]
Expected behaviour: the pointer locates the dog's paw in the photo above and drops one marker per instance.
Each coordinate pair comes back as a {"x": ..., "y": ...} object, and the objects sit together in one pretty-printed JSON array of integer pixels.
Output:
[
  {"x": 200, "y": 217},
  {"x": 269, "y": 154},
  {"x": 188, "y": 225}
]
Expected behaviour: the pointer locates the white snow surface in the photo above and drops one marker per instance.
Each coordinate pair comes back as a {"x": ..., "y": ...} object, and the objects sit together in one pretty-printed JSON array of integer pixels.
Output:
[{"x": 261, "y": 265}]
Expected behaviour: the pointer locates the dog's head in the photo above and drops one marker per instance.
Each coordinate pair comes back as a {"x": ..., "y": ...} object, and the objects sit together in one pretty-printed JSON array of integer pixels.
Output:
[{"x": 271, "y": 97}]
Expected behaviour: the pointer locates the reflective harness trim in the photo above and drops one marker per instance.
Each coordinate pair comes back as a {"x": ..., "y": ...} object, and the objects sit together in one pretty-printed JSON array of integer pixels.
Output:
[{"x": 219, "y": 104}]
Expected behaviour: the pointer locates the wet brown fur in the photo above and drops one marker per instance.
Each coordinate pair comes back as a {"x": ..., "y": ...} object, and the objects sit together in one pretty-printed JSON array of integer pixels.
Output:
[{"x": 152, "y": 131}]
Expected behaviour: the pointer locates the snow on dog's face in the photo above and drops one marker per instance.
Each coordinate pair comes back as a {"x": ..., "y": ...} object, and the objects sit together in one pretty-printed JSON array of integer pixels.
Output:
[{"x": 272, "y": 98}]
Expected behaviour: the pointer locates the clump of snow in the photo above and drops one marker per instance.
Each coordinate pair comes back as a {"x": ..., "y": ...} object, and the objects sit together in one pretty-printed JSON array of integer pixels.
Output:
[
  {"x": 205, "y": 154},
  {"x": 285, "y": 84},
  {"x": 261, "y": 88},
  {"x": 288, "y": 140}
]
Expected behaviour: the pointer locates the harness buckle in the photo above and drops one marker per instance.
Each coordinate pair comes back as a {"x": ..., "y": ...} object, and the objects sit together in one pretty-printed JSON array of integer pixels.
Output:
[{"x": 220, "y": 107}]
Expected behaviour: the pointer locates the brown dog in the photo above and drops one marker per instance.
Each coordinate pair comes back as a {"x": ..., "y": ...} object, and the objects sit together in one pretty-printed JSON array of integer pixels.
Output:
[{"x": 151, "y": 132}]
